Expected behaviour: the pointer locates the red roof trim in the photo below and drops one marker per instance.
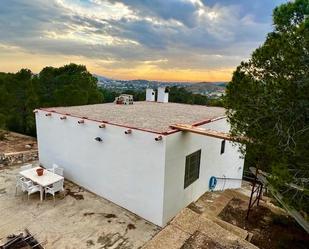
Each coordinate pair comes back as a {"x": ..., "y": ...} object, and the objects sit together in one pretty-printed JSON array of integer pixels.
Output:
[
  {"x": 166, "y": 133},
  {"x": 107, "y": 122},
  {"x": 218, "y": 118},
  {"x": 194, "y": 124},
  {"x": 201, "y": 122}
]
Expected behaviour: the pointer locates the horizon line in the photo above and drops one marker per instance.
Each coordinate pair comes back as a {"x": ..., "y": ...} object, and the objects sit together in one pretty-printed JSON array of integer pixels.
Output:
[{"x": 134, "y": 79}]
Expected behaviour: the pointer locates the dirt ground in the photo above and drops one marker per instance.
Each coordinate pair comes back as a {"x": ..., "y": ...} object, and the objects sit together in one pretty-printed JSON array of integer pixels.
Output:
[
  {"x": 270, "y": 230},
  {"x": 14, "y": 142}
]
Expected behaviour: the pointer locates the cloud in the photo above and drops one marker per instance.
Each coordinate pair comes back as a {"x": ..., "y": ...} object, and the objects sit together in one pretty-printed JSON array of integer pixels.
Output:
[
  {"x": 167, "y": 35},
  {"x": 185, "y": 12}
]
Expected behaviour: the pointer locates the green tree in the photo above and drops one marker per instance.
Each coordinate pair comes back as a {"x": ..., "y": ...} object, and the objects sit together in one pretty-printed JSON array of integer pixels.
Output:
[
  {"x": 137, "y": 94},
  {"x": 181, "y": 95},
  {"x": 68, "y": 85},
  {"x": 22, "y": 92},
  {"x": 268, "y": 101},
  {"x": 108, "y": 95}
]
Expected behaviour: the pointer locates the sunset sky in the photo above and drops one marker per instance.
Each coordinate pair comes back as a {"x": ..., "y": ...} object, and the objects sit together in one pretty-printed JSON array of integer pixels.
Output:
[{"x": 173, "y": 40}]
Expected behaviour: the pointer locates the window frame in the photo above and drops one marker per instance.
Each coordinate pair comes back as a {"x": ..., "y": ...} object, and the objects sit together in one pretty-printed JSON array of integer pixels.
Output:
[{"x": 192, "y": 168}]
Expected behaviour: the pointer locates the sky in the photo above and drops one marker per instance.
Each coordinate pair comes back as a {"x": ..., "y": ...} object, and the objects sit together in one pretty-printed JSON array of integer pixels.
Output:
[{"x": 167, "y": 40}]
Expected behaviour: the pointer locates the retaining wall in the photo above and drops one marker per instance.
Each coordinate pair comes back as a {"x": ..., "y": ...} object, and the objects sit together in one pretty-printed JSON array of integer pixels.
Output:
[{"x": 11, "y": 158}]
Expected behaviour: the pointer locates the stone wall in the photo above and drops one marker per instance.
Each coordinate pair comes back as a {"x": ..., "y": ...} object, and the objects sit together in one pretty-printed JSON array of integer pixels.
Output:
[{"x": 11, "y": 158}]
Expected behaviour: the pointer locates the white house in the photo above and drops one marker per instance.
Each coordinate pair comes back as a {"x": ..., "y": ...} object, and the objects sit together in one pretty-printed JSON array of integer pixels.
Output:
[{"x": 131, "y": 156}]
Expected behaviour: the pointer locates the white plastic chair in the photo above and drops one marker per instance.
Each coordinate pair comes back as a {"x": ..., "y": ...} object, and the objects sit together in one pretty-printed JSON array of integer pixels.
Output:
[
  {"x": 53, "y": 168},
  {"x": 26, "y": 166},
  {"x": 19, "y": 183},
  {"x": 56, "y": 187},
  {"x": 30, "y": 188},
  {"x": 58, "y": 171}
]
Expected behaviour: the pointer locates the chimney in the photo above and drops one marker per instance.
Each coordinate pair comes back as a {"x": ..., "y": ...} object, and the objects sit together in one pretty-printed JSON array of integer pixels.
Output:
[
  {"x": 150, "y": 94},
  {"x": 162, "y": 95}
]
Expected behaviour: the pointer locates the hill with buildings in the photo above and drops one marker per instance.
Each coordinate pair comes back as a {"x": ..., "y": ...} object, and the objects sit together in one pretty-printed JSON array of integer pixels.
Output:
[{"x": 210, "y": 89}]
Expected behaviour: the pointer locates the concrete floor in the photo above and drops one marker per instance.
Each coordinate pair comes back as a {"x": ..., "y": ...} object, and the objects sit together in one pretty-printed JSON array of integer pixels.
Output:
[{"x": 79, "y": 219}]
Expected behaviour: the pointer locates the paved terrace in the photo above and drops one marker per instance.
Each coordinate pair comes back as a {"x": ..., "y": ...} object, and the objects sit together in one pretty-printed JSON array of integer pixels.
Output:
[
  {"x": 78, "y": 220},
  {"x": 81, "y": 219}
]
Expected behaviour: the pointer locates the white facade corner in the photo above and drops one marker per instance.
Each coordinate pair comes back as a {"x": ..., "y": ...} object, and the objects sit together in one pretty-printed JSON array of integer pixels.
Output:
[{"x": 140, "y": 171}]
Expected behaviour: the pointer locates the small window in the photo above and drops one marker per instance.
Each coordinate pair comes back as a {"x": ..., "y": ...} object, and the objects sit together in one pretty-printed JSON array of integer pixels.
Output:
[
  {"x": 222, "y": 147},
  {"x": 192, "y": 170}
]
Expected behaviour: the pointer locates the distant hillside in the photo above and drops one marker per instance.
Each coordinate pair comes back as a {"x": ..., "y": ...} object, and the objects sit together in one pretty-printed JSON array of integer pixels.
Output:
[
  {"x": 140, "y": 84},
  {"x": 206, "y": 86},
  {"x": 223, "y": 84}
]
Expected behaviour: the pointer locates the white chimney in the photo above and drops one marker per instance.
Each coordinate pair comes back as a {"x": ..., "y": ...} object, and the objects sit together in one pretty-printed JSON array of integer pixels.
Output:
[
  {"x": 162, "y": 95},
  {"x": 150, "y": 94}
]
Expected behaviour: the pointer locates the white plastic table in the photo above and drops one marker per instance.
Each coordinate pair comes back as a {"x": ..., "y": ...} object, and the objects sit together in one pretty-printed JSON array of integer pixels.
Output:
[{"x": 48, "y": 178}]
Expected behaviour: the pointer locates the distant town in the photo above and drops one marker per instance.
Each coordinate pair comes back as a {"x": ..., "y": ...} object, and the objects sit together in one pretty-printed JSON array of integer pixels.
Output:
[{"x": 212, "y": 90}]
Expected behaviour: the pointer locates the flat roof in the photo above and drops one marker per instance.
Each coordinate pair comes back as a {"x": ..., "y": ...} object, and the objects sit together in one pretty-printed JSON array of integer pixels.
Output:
[{"x": 149, "y": 116}]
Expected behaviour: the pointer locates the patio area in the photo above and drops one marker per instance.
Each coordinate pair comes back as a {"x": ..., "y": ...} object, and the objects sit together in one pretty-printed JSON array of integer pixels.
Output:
[{"x": 79, "y": 219}]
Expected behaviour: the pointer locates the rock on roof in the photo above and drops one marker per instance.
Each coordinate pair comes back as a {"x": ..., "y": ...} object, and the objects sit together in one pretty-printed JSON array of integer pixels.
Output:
[{"x": 151, "y": 116}]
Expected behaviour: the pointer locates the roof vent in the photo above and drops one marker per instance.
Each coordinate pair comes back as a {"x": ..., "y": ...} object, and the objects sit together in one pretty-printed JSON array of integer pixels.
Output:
[{"x": 124, "y": 99}]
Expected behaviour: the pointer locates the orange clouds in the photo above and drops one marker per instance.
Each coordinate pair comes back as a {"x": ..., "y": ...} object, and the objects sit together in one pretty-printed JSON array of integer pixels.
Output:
[
  {"x": 168, "y": 74},
  {"x": 13, "y": 59}
]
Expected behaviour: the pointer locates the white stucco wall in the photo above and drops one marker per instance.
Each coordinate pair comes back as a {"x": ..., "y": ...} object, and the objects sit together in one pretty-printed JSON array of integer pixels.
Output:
[
  {"x": 220, "y": 124},
  {"x": 125, "y": 169},
  {"x": 178, "y": 146}
]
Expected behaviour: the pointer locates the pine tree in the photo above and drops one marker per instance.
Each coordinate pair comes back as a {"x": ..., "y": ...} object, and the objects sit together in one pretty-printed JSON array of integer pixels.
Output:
[{"x": 268, "y": 101}]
